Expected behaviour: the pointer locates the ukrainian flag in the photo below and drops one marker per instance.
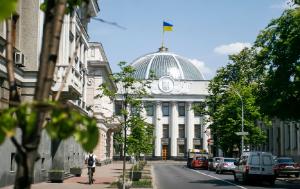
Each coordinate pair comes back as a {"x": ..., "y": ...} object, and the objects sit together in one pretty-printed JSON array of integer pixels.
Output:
[{"x": 167, "y": 26}]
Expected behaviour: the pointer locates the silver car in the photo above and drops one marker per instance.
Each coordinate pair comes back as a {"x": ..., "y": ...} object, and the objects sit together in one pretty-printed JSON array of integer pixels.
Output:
[{"x": 225, "y": 165}]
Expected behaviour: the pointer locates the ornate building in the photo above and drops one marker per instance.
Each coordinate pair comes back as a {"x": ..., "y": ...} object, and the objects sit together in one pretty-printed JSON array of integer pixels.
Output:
[{"x": 178, "y": 86}]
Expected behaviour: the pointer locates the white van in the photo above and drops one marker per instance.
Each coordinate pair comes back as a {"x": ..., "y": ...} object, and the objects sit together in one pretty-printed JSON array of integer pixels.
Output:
[{"x": 255, "y": 165}]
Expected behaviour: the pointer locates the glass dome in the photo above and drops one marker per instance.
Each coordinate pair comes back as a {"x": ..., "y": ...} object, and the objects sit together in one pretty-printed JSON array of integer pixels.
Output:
[{"x": 164, "y": 63}]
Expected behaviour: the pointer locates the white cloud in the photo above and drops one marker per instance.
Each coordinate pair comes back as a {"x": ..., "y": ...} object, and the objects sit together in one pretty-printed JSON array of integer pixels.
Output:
[
  {"x": 287, "y": 4},
  {"x": 232, "y": 48},
  {"x": 202, "y": 67}
]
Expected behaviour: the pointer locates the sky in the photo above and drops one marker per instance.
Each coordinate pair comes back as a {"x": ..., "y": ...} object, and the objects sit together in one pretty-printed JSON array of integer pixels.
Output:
[{"x": 204, "y": 31}]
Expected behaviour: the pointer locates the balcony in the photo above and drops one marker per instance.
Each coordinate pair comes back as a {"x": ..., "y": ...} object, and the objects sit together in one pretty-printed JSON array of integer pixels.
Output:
[
  {"x": 165, "y": 141},
  {"x": 181, "y": 141},
  {"x": 197, "y": 141},
  {"x": 72, "y": 88}
]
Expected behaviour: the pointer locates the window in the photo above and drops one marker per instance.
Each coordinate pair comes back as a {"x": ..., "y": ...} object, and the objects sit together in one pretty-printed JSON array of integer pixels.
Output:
[
  {"x": 267, "y": 160},
  {"x": 149, "y": 106},
  {"x": 118, "y": 107},
  {"x": 134, "y": 111},
  {"x": 197, "y": 130},
  {"x": 165, "y": 131},
  {"x": 296, "y": 136},
  {"x": 43, "y": 163},
  {"x": 254, "y": 160},
  {"x": 181, "y": 149},
  {"x": 12, "y": 162},
  {"x": 181, "y": 131},
  {"x": 181, "y": 109},
  {"x": 165, "y": 109}
]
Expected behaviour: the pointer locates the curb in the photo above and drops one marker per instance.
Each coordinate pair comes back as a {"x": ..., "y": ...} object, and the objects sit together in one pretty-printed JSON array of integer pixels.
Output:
[{"x": 153, "y": 178}]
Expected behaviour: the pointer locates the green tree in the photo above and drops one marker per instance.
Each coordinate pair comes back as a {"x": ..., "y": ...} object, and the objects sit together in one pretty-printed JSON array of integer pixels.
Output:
[
  {"x": 279, "y": 54},
  {"x": 31, "y": 118},
  {"x": 131, "y": 92},
  {"x": 224, "y": 105}
]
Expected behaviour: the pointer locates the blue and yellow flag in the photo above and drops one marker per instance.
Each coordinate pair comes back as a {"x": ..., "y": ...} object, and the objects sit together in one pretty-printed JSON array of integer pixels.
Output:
[{"x": 167, "y": 26}]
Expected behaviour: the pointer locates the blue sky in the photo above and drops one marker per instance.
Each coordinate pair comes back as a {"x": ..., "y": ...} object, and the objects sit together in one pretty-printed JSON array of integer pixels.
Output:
[{"x": 205, "y": 31}]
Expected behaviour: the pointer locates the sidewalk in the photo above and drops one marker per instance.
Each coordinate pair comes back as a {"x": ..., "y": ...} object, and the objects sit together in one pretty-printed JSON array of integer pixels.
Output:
[{"x": 103, "y": 176}]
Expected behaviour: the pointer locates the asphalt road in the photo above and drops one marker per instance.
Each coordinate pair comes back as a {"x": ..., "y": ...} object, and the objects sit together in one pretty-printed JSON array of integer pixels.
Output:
[{"x": 178, "y": 176}]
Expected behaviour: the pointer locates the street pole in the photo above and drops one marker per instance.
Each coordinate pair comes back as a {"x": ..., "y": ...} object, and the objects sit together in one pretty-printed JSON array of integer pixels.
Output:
[{"x": 242, "y": 147}]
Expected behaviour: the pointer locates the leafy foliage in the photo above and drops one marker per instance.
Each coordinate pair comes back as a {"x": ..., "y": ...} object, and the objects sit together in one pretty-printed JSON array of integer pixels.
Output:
[
  {"x": 65, "y": 122},
  {"x": 224, "y": 105},
  {"x": 132, "y": 91},
  {"x": 7, "y": 7},
  {"x": 279, "y": 54}
]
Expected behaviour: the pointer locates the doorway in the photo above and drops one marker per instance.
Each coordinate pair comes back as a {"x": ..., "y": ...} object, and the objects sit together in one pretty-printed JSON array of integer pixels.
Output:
[{"x": 164, "y": 152}]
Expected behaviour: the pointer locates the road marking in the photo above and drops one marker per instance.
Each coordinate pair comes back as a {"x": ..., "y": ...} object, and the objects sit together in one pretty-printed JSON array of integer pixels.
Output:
[{"x": 219, "y": 179}]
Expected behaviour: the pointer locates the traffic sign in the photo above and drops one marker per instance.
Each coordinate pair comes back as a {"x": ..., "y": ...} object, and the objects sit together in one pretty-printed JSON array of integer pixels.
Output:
[{"x": 242, "y": 133}]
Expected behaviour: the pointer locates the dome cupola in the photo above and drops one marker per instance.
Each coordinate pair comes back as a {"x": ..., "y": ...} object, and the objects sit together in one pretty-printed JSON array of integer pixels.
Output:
[{"x": 164, "y": 63}]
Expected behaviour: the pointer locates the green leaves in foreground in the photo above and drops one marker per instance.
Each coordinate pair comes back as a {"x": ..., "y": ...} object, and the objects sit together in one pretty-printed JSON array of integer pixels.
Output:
[
  {"x": 7, "y": 7},
  {"x": 64, "y": 122}
]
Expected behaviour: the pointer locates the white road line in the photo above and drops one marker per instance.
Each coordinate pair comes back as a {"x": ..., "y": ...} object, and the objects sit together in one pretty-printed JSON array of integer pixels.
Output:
[{"x": 219, "y": 179}]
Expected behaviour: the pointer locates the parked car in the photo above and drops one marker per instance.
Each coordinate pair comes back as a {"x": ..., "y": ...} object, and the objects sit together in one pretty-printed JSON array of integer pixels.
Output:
[
  {"x": 287, "y": 166},
  {"x": 213, "y": 162},
  {"x": 255, "y": 165},
  {"x": 225, "y": 165},
  {"x": 200, "y": 161}
]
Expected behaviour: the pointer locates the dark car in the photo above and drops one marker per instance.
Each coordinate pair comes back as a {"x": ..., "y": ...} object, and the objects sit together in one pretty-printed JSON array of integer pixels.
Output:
[{"x": 287, "y": 166}]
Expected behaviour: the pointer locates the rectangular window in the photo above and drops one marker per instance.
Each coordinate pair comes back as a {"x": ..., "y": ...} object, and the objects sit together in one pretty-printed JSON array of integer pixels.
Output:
[
  {"x": 255, "y": 160},
  {"x": 42, "y": 163},
  {"x": 165, "y": 131},
  {"x": 296, "y": 136},
  {"x": 197, "y": 131},
  {"x": 181, "y": 131},
  {"x": 267, "y": 160},
  {"x": 149, "y": 106},
  {"x": 12, "y": 162},
  {"x": 181, "y": 149},
  {"x": 134, "y": 111},
  {"x": 165, "y": 109},
  {"x": 181, "y": 109},
  {"x": 118, "y": 107}
]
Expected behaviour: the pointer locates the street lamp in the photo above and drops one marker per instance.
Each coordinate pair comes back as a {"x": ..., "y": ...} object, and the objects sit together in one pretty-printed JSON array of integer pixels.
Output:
[{"x": 242, "y": 133}]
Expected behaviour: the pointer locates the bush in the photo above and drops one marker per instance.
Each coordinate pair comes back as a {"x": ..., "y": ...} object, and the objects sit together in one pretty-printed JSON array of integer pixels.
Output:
[{"x": 142, "y": 184}]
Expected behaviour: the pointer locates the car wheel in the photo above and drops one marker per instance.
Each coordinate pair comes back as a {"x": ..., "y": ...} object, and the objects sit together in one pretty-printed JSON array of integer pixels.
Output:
[
  {"x": 245, "y": 179},
  {"x": 296, "y": 174},
  {"x": 235, "y": 178},
  {"x": 272, "y": 182}
]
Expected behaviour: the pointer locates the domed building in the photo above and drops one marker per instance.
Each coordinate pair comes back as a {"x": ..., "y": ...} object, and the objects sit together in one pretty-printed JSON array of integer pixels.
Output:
[{"x": 178, "y": 85}]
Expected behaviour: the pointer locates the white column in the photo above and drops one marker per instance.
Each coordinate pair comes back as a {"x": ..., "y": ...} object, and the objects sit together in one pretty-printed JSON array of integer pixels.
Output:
[
  {"x": 189, "y": 126},
  {"x": 205, "y": 133},
  {"x": 158, "y": 129},
  {"x": 174, "y": 128}
]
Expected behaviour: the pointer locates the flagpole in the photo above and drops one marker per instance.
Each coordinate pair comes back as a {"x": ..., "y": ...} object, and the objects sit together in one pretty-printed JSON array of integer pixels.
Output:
[{"x": 163, "y": 37}]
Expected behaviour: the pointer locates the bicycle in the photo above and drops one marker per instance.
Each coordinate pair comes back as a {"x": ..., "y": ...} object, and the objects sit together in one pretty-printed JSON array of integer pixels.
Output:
[{"x": 90, "y": 174}]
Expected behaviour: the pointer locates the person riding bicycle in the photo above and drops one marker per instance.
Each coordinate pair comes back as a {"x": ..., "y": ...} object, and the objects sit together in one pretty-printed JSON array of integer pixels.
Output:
[{"x": 91, "y": 162}]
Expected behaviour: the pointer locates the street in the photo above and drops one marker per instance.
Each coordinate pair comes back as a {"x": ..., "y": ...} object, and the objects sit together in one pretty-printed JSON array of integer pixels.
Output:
[{"x": 171, "y": 175}]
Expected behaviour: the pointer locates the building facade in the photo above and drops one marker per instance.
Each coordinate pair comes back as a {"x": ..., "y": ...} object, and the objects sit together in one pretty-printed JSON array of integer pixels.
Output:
[
  {"x": 72, "y": 75},
  {"x": 283, "y": 139},
  {"x": 179, "y": 84}
]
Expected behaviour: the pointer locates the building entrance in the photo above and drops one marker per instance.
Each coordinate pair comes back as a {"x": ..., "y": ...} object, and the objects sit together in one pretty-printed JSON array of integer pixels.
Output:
[{"x": 164, "y": 152}]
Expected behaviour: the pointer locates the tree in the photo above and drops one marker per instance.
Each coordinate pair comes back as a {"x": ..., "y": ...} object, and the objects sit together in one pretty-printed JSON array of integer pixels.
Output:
[
  {"x": 131, "y": 91},
  {"x": 30, "y": 118},
  {"x": 224, "y": 105},
  {"x": 279, "y": 54}
]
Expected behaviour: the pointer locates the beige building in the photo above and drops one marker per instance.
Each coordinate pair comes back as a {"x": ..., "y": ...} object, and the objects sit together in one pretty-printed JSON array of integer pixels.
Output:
[
  {"x": 75, "y": 56},
  {"x": 283, "y": 139}
]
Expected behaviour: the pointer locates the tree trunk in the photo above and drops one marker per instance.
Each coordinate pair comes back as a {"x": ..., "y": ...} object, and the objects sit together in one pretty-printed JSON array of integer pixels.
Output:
[{"x": 54, "y": 15}]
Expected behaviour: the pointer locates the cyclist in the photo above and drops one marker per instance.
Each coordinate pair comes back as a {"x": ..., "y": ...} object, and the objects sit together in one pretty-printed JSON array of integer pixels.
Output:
[{"x": 91, "y": 162}]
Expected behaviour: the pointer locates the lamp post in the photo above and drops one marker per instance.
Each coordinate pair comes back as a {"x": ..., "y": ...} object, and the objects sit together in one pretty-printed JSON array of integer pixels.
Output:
[{"x": 242, "y": 133}]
